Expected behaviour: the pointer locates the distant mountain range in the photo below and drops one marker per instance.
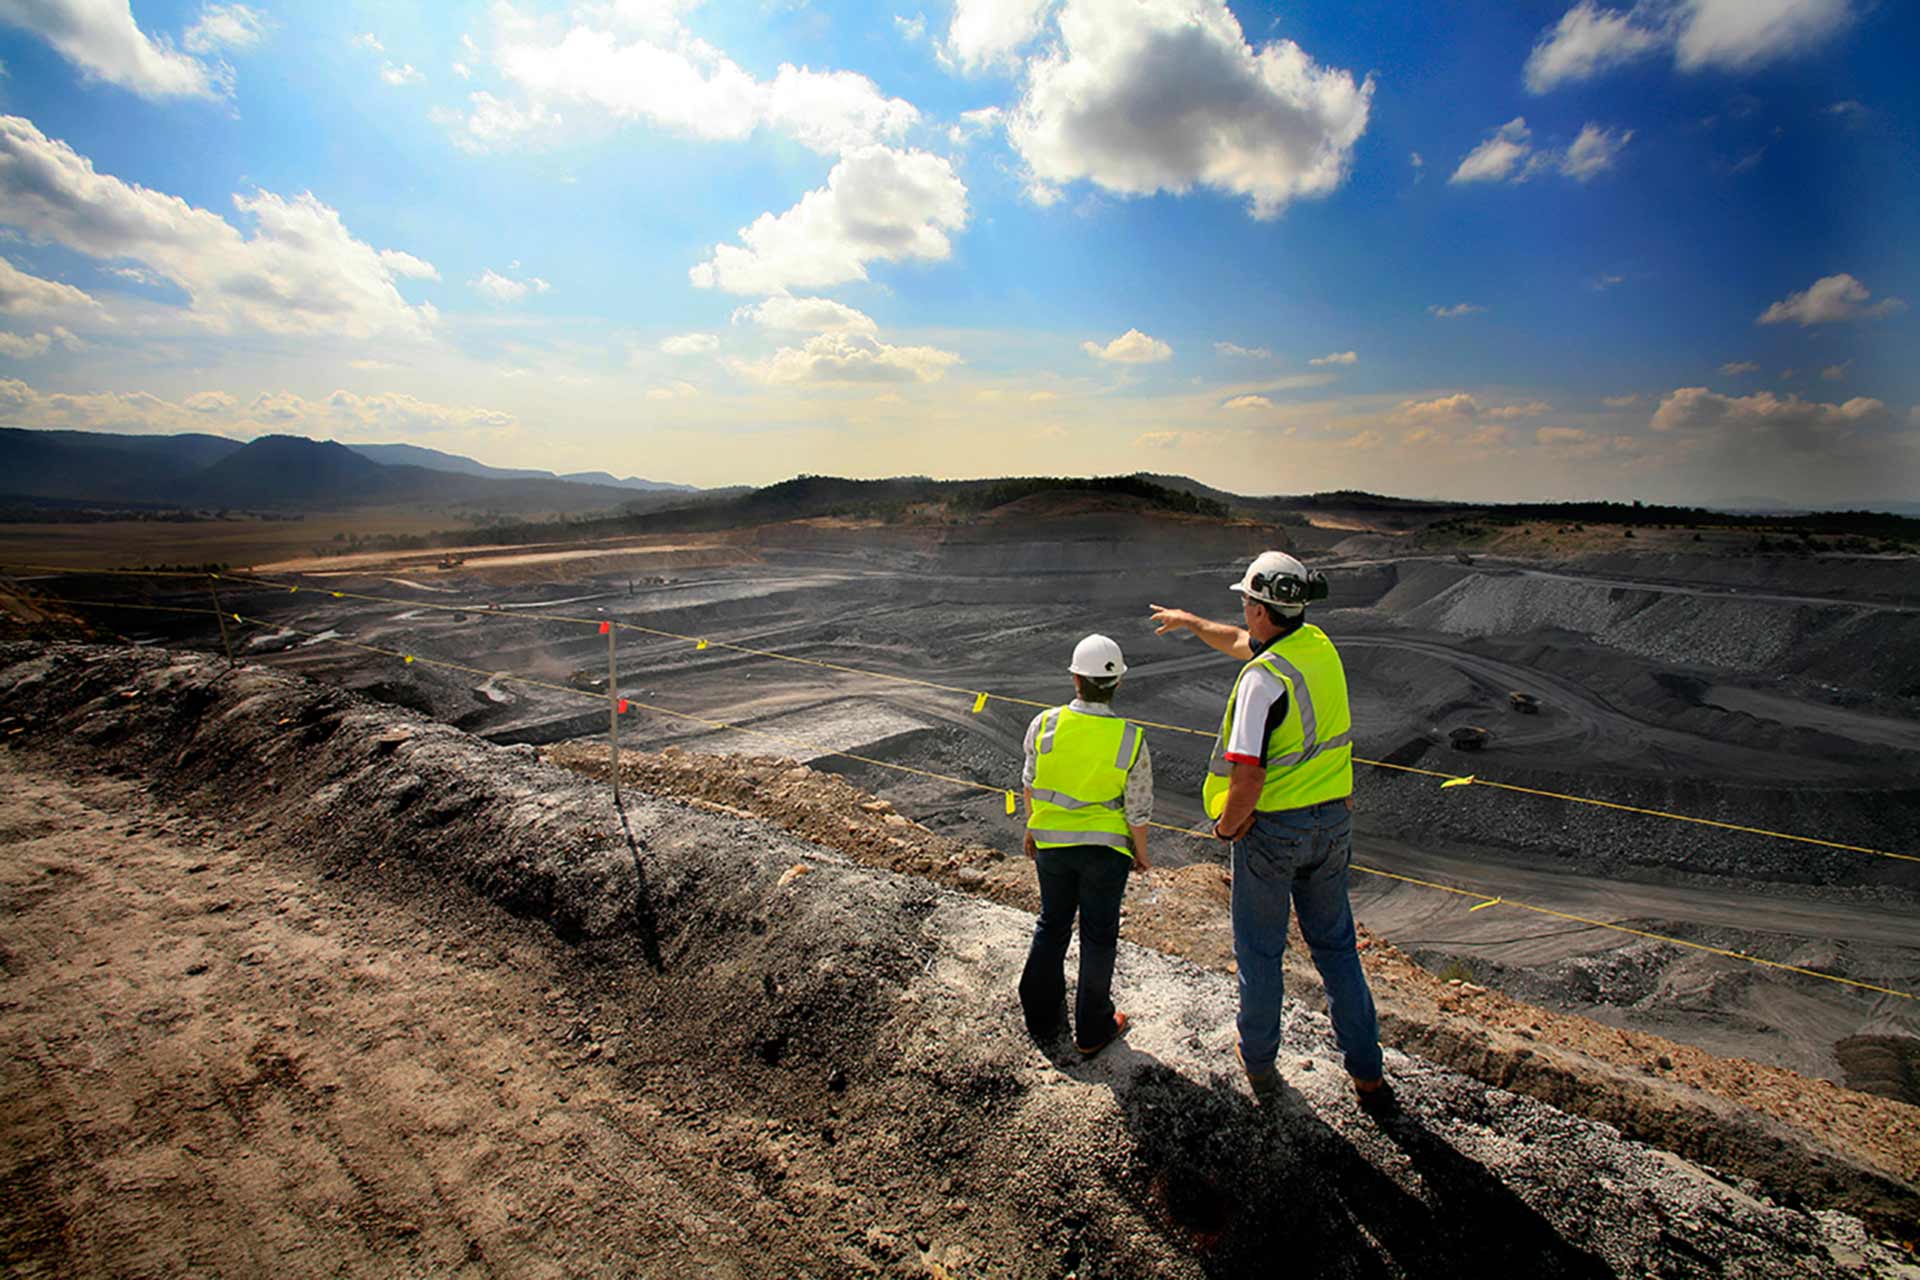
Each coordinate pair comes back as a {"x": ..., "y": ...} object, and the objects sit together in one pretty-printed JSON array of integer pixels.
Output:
[{"x": 292, "y": 473}]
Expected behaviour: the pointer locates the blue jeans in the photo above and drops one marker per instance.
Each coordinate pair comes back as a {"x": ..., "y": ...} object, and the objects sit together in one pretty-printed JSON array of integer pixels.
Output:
[
  {"x": 1089, "y": 879},
  {"x": 1301, "y": 857}
]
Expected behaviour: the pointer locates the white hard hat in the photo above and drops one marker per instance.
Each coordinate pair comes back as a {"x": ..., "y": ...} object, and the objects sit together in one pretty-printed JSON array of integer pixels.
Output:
[
  {"x": 1099, "y": 658},
  {"x": 1275, "y": 578}
]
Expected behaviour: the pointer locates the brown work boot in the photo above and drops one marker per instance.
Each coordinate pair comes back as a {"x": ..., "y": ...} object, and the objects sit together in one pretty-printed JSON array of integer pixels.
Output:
[{"x": 1265, "y": 1083}]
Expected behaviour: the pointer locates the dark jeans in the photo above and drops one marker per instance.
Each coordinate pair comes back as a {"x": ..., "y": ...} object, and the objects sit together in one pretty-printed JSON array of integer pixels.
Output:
[
  {"x": 1299, "y": 858},
  {"x": 1089, "y": 879}
]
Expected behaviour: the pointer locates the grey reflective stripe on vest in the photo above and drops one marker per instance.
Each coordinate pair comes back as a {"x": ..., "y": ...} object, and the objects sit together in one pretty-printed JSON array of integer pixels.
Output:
[
  {"x": 1049, "y": 721},
  {"x": 1310, "y": 745},
  {"x": 1066, "y": 801},
  {"x": 1125, "y": 758},
  {"x": 1081, "y": 837}
]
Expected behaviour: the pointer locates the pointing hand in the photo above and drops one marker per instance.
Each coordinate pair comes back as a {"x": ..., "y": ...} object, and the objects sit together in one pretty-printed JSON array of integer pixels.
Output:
[{"x": 1170, "y": 619}]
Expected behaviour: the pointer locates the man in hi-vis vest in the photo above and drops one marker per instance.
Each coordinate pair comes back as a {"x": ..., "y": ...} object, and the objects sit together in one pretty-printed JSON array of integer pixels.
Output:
[
  {"x": 1089, "y": 798},
  {"x": 1280, "y": 788}
]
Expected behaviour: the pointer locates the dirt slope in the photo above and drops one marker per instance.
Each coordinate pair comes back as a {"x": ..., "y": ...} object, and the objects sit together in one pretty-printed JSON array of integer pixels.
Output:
[{"x": 810, "y": 1073}]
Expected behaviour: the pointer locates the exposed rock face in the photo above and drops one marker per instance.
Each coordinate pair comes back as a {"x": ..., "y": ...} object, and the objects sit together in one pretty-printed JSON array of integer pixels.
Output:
[{"x": 870, "y": 1013}]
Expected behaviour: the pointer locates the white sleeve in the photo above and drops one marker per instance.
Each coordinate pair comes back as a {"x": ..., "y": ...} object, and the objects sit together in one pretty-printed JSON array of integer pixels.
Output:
[
  {"x": 1254, "y": 698},
  {"x": 1033, "y": 764}
]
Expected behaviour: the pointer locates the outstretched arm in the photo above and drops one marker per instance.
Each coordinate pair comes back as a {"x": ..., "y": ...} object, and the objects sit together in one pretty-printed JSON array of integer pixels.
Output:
[{"x": 1224, "y": 636}]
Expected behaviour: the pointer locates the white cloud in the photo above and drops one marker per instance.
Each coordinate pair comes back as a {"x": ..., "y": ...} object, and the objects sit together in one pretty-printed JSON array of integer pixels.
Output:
[
  {"x": 990, "y": 33},
  {"x": 690, "y": 344},
  {"x": 1131, "y": 347},
  {"x": 806, "y": 315},
  {"x": 1586, "y": 41},
  {"x": 367, "y": 40},
  {"x": 1729, "y": 35},
  {"x": 405, "y": 264},
  {"x": 1849, "y": 112},
  {"x": 1499, "y": 156},
  {"x": 878, "y": 205},
  {"x": 301, "y": 271},
  {"x": 1166, "y": 95},
  {"x": 1750, "y": 419},
  {"x": 402, "y": 74},
  {"x": 27, "y": 347},
  {"x": 1248, "y": 402},
  {"x": 505, "y": 289},
  {"x": 1527, "y": 409},
  {"x": 913, "y": 30},
  {"x": 491, "y": 122},
  {"x": 1830, "y": 300},
  {"x": 829, "y": 359},
  {"x": 102, "y": 39},
  {"x": 1594, "y": 152},
  {"x": 343, "y": 413},
  {"x": 675, "y": 390},
  {"x": 672, "y": 80},
  {"x": 1737, "y": 35},
  {"x": 1602, "y": 283},
  {"x": 1738, "y": 368},
  {"x": 1234, "y": 349},
  {"x": 1337, "y": 357},
  {"x": 1441, "y": 408},
  {"x": 22, "y": 294},
  {"x": 1455, "y": 311},
  {"x": 1507, "y": 154},
  {"x": 974, "y": 123},
  {"x": 225, "y": 26}
]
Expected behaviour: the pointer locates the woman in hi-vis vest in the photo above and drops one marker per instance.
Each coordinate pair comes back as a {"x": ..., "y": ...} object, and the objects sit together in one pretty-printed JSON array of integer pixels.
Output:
[{"x": 1089, "y": 784}]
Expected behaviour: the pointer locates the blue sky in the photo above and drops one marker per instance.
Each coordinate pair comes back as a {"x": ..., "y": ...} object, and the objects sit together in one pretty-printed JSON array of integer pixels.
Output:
[{"x": 1546, "y": 250}]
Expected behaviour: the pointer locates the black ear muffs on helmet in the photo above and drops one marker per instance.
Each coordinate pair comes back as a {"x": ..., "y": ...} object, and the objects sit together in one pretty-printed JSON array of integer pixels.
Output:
[{"x": 1289, "y": 590}]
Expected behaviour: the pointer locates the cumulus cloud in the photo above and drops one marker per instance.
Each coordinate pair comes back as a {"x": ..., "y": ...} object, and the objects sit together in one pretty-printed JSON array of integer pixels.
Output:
[
  {"x": 102, "y": 39},
  {"x": 1248, "y": 402},
  {"x": 878, "y": 205},
  {"x": 1586, "y": 41},
  {"x": 24, "y": 294},
  {"x": 492, "y": 122},
  {"x": 690, "y": 344},
  {"x": 342, "y": 413},
  {"x": 225, "y": 26},
  {"x": 1457, "y": 405},
  {"x": 16, "y": 346},
  {"x": 974, "y": 123},
  {"x": 1131, "y": 347},
  {"x": 912, "y": 30},
  {"x": 1732, "y": 35},
  {"x": 806, "y": 315},
  {"x": 829, "y": 359},
  {"x": 1748, "y": 420},
  {"x": 1507, "y": 154},
  {"x": 1166, "y": 95},
  {"x": 504, "y": 289},
  {"x": 1455, "y": 311},
  {"x": 1738, "y": 368},
  {"x": 402, "y": 74},
  {"x": 672, "y": 80},
  {"x": 1594, "y": 152},
  {"x": 990, "y": 33},
  {"x": 1337, "y": 357},
  {"x": 300, "y": 272},
  {"x": 1830, "y": 300}
]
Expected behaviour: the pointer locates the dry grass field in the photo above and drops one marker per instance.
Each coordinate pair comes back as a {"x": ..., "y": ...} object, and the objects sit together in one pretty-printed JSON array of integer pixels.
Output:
[{"x": 241, "y": 542}]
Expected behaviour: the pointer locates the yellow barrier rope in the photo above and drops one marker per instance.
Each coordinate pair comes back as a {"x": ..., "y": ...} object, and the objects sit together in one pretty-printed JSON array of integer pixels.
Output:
[
  {"x": 1484, "y": 900},
  {"x": 977, "y": 696}
]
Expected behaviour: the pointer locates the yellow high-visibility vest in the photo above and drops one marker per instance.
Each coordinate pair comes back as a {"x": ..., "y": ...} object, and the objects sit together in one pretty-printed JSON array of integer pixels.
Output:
[
  {"x": 1310, "y": 752},
  {"x": 1080, "y": 779}
]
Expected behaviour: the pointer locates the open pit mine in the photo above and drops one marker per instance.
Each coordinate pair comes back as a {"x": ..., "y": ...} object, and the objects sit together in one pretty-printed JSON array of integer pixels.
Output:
[{"x": 342, "y": 956}]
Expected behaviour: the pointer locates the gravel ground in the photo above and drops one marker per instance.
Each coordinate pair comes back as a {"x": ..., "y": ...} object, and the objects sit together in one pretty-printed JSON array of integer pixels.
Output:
[{"x": 823, "y": 1068}]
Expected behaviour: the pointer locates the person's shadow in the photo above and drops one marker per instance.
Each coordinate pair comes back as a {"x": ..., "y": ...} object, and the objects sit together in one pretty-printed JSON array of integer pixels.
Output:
[{"x": 1253, "y": 1189}]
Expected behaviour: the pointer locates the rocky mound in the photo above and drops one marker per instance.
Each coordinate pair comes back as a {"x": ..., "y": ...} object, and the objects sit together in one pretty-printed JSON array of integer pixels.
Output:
[{"x": 867, "y": 1016}]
